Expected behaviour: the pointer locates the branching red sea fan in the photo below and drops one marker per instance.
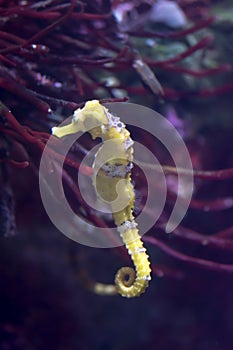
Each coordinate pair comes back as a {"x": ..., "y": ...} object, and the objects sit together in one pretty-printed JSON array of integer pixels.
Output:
[{"x": 78, "y": 51}]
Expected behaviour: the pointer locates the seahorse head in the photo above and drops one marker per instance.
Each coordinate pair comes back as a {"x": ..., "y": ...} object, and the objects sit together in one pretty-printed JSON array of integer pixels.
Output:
[
  {"x": 92, "y": 115},
  {"x": 92, "y": 118}
]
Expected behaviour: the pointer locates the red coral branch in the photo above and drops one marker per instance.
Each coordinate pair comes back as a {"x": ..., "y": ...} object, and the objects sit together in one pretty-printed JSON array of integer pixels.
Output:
[
  {"x": 178, "y": 34},
  {"x": 196, "y": 262},
  {"x": 202, "y": 43}
]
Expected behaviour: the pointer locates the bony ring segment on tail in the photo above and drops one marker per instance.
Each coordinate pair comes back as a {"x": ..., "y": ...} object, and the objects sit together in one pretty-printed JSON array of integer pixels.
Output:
[{"x": 112, "y": 175}]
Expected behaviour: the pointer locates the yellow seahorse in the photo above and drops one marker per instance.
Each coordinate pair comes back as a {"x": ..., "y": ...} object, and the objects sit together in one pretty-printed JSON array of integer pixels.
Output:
[{"x": 113, "y": 178}]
